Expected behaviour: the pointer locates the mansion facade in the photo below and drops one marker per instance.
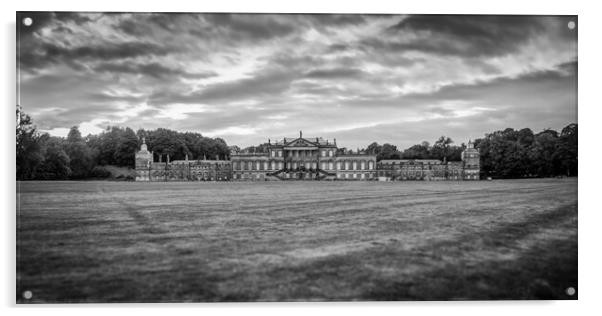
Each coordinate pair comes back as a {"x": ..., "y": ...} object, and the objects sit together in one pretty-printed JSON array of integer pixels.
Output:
[{"x": 304, "y": 159}]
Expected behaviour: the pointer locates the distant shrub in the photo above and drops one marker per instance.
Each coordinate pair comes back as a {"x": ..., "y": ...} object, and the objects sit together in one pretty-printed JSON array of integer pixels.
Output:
[
  {"x": 100, "y": 172},
  {"x": 113, "y": 173}
]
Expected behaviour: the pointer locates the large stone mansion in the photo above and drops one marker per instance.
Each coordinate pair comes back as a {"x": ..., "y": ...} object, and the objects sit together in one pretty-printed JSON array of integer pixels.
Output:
[{"x": 305, "y": 159}]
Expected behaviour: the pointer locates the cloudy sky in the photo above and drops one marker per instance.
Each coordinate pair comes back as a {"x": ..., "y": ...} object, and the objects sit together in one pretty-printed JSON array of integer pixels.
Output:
[{"x": 246, "y": 77}]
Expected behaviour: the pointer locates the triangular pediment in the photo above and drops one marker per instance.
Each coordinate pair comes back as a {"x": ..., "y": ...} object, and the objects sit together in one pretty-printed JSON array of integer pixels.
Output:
[{"x": 300, "y": 142}]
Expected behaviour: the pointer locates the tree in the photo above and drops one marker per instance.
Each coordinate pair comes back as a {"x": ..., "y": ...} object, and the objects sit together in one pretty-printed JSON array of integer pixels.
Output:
[
  {"x": 374, "y": 148},
  {"x": 419, "y": 151},
  {"x": 167, "y": 142},
  {"x": 516, "y": 154},
  {"x": 29, "y": 152},
  {"x": 81, "y": 160},
  {"x": 388, "y": 151},
  {"x": 261, "y": 148},
  {"x": 566, "y": 150},
  {"x": 441, "y": 148},
  {"x": 107, "y": 145},
  {"x": 127, "y": 145},
  {"x": 56, "y": 161},
  {"x": 542, "y": 154},
  {"x": 455, "y": 152}
]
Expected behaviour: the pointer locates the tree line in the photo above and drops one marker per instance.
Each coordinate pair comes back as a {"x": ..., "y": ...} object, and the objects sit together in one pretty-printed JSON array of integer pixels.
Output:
[
  {"x": 44, "y": 157},
  {"x": 504, "y": 154},
  {"x": 521, "y": 153},
  {"x": 508, "y": 153},
  {"x": 442, "y": 149}
]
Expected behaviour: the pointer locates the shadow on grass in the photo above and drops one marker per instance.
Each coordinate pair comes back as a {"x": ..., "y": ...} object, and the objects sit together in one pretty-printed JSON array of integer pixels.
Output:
[
  {"x": 545, "y": 271},
  {"x": 488, "y": 264},
  {"x": 540, "y": 274}
]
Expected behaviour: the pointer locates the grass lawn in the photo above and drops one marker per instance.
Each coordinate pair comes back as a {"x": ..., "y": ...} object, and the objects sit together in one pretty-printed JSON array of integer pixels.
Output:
[{"x": 106, "y": 241}]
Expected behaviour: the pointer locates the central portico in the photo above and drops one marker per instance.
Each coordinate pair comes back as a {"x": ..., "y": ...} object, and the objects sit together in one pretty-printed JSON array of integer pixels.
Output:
[
  {"x": 302, "y": 153},
  {"x": 310, "y": 158}
]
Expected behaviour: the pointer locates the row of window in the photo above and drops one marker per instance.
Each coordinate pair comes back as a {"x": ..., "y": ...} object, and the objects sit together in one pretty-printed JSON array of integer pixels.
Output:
[
  {"x": 355, "y": 176},
  {"x": 257, "y": 165},
  {"x": 438, "y": 173},
  {"x": 302, "y": 153},
  {"x": 273, "y": 165},
  {"x": 261, "y": 176}
]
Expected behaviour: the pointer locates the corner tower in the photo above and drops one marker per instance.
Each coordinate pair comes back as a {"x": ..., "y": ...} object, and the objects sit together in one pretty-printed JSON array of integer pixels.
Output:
[
  {"x": 144, "y": 158},
  {"x": 471, "y": 162}
]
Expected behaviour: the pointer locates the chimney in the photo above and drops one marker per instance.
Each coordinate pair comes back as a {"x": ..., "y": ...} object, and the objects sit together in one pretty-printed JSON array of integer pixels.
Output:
[
  {"x": 167, "y": 158},
  {"x": 217, "y": 157},
  {"x": 204, "y": 157},
  {"x": 186, "y": 157},
  {"x": 300, "y": 134},
  {"x": 160, "y": 158}
]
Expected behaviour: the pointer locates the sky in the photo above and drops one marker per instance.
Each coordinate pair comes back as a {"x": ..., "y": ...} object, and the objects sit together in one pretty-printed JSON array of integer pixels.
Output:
[{"x": 248, "y": 78}]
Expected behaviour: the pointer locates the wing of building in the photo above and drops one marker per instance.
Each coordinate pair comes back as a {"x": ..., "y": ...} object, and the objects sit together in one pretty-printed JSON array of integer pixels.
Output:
[
  {"x": 309, "y": 158},
  {"x": 432, "y": 169}
]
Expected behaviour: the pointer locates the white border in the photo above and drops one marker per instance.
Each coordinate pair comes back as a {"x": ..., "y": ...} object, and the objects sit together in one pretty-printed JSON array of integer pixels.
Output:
[{"x": 589, "y": 113}]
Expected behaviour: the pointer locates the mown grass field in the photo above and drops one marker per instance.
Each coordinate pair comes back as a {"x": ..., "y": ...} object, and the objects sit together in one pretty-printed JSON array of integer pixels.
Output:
[{"x": 296, "y": 241}]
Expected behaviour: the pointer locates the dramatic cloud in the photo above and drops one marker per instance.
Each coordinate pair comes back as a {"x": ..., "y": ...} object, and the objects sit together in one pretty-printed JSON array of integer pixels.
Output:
[{"x": 250, "y": 77}]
